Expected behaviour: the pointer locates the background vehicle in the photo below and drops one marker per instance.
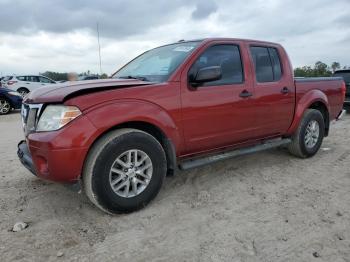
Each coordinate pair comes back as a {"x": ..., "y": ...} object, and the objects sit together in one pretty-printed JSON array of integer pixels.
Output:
[
  {"x": 27, "y": 83},
  {"x": 345, "y": 74},
  {"x": 4, "y": 80},
  {"x": 181, "y": 105},
  {"x": 89, "y": 77},
  {"x": 9, "y": 99}
]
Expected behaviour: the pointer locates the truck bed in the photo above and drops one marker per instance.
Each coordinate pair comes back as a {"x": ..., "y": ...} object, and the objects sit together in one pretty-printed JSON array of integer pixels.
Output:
[{"x": 330, "y": 86}]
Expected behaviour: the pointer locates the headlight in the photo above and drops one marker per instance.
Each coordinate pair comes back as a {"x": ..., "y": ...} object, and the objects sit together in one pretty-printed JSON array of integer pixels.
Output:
[
  {"x": 13, "y": 93},
  {"x": 56, "y": 116}
]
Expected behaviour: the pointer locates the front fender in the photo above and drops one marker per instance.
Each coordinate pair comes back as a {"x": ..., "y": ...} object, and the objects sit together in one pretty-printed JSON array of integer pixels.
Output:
[
  {"x": 303, "y": 104},
  {"x": 108, "y": 115}
]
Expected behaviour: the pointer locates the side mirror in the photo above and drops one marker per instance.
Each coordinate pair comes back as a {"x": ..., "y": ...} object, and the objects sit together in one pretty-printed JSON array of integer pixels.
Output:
[{"x": 207, "y": 74}]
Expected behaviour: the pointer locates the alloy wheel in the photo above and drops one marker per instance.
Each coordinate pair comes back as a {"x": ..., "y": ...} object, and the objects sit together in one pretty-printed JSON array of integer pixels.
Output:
[{"x": 131, "y": 173}]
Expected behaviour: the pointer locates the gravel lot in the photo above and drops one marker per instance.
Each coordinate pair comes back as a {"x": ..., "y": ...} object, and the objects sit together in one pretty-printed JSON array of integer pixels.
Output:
[{"x": 264, "y": 207}]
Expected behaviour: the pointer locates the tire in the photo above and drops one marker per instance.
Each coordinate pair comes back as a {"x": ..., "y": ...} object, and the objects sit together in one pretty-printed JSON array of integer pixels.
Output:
[
  {"x": 97, "y": 174},
  {"x": 23, "y": 91},
  {"x": 5, "y": 106},
  {"x": 299, "y": 146}
]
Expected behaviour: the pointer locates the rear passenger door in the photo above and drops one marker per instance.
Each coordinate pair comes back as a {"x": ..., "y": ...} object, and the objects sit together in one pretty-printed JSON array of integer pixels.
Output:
[{"x": 274, "y": 90}]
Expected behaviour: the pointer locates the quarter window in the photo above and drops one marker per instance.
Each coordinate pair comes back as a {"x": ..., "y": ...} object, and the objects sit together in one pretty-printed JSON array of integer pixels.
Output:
[
  {"x": 227, "y": 57},
  {"x": 44, "y": 80},
  {"x": 266, "y": 63}
]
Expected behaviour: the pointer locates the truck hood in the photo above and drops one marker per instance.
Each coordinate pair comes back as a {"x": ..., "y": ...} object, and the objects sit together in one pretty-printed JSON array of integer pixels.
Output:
[{"x": 58, "y": 93}]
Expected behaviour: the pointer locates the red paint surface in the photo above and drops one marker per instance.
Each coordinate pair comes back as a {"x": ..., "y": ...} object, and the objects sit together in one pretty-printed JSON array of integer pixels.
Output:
[{"x": 195, "y": 120}]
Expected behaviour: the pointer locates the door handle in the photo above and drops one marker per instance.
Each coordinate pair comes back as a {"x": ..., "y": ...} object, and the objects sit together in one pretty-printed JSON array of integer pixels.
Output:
[
  {"x": 285, "y": 90},
  {"x": 245, "y": 94}
]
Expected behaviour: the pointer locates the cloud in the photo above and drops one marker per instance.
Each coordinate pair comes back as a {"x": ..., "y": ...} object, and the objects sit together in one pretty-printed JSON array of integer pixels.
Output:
[
  {"x": 204, "y": 9},
  {"x": 60, "y": 35},
  {"x": 117, "y": 19}
]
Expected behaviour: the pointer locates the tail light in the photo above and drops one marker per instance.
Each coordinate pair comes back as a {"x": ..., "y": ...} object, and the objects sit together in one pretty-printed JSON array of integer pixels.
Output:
[
  {"x": 11, "y": 82},
  {"x": 343, "y": 89}
]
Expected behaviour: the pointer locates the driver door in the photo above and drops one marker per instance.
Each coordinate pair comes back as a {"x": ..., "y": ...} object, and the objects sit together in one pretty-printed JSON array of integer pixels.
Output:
[{"x": 218, "y": 113}]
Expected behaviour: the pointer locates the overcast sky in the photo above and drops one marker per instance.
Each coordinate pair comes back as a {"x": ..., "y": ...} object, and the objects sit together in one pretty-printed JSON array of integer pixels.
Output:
[{"x": 60, "y": 35}]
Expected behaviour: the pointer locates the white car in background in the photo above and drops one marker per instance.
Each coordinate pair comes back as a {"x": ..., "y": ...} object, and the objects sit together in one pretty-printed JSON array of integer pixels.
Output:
[{"x": 27, "y": 83}]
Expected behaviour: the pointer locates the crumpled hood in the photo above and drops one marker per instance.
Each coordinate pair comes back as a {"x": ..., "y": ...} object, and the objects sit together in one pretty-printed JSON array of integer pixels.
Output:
[{"x": 57, "y": 93}]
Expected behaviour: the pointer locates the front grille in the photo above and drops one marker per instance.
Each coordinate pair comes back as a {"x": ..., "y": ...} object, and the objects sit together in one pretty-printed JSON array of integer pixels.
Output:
[{"x": 30, "y": 116}]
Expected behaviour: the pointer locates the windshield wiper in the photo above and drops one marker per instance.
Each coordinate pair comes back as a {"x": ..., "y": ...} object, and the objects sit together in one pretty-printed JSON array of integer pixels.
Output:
[{"x": 142, "y": 78}]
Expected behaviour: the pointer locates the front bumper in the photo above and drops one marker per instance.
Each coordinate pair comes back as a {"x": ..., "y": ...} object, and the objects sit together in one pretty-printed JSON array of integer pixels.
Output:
[
  {"x": 58, "y": 155},
  {"x": 25, "y": 156}
]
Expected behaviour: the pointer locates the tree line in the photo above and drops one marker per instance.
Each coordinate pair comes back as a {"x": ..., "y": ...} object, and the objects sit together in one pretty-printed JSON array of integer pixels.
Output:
[
  {"x": 320, "y": 69},
  {"x": 58, "y": 76}
]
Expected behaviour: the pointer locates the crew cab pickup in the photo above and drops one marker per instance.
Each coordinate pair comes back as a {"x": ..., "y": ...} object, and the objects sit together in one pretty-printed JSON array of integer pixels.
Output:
[{"x": 181, "y": 105}]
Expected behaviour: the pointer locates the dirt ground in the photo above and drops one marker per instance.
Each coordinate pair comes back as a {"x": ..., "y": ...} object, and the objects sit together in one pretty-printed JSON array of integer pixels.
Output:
[{"x": 264, "y": 207}]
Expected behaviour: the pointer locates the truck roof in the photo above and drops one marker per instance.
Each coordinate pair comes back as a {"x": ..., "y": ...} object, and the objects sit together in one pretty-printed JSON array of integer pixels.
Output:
[{"x": 209, "y": 39}]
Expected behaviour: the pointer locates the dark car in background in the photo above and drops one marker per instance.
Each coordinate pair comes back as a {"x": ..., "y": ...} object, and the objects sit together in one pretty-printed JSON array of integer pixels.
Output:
[
  {"x": 88, "y": 77},
  {"x": 9, "y": 100},
  {"x": 345, "y": 73}
]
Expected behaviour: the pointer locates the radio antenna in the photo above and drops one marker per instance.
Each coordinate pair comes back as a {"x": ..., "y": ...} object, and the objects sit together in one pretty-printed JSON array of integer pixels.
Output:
[{"x": 99, "y": 46}]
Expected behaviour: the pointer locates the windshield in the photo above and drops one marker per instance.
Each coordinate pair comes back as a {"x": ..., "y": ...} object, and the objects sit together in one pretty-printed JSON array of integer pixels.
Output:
[
  {"x": 345, "y": 75},
  {"x": 158, "y": 64}
]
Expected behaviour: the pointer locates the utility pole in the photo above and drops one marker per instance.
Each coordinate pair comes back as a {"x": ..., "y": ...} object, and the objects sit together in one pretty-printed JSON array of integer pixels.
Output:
[{"x": 99, "y": 48}]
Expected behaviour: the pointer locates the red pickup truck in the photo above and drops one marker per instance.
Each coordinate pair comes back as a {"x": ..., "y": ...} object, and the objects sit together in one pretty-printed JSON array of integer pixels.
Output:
[{"x": 181, "y": 105}]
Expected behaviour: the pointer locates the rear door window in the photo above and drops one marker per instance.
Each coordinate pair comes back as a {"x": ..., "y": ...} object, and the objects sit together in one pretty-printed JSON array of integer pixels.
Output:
[
  {"x": 276, "y": 64},
  {"x": 266, "y": 63},
  {"x": 21, "y": 78},
  {"x": 32, "y": 78}
]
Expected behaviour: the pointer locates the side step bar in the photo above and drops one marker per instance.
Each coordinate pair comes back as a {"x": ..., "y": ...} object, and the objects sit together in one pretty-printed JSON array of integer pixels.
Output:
[{"x": 197, "y": 162}]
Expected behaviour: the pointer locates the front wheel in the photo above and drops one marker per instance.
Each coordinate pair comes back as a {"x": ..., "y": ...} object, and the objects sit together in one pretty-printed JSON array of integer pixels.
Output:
[
  {"x": 308, "y": 138},
  {"x": 124, "y": 171},
  {"x": 5, "y": 106}
]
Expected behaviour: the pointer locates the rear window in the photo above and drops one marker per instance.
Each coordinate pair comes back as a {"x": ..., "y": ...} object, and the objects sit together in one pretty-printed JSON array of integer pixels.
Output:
[
  {"x": 267, "y": 64},
  {"x": 7, "y": 78}
]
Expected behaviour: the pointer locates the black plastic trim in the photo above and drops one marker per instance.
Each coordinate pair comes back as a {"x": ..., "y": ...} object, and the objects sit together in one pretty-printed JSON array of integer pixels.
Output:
[{"x": 25, "y": 157}]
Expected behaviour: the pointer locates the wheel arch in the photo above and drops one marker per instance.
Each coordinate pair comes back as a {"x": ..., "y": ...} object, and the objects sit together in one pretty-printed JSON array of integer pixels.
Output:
[
  {"x": 314, "y": 99},
  {"x": 320, "y": 106},
  {"x": 153, "y": 130},
  {"x": 22, "y": 88}
]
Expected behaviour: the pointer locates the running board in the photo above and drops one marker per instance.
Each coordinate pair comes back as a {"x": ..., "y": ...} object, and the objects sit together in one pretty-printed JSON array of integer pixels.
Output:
[{"x": 197, "y": 162}]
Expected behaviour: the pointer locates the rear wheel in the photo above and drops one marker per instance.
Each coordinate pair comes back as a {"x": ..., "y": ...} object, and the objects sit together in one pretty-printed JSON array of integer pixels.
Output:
[
  {"x": 308, "y": 138},
  {"x": 5, "y": 106},
  {"x": 23, "y": 91},
  {"x": 124, "y": 171}
]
